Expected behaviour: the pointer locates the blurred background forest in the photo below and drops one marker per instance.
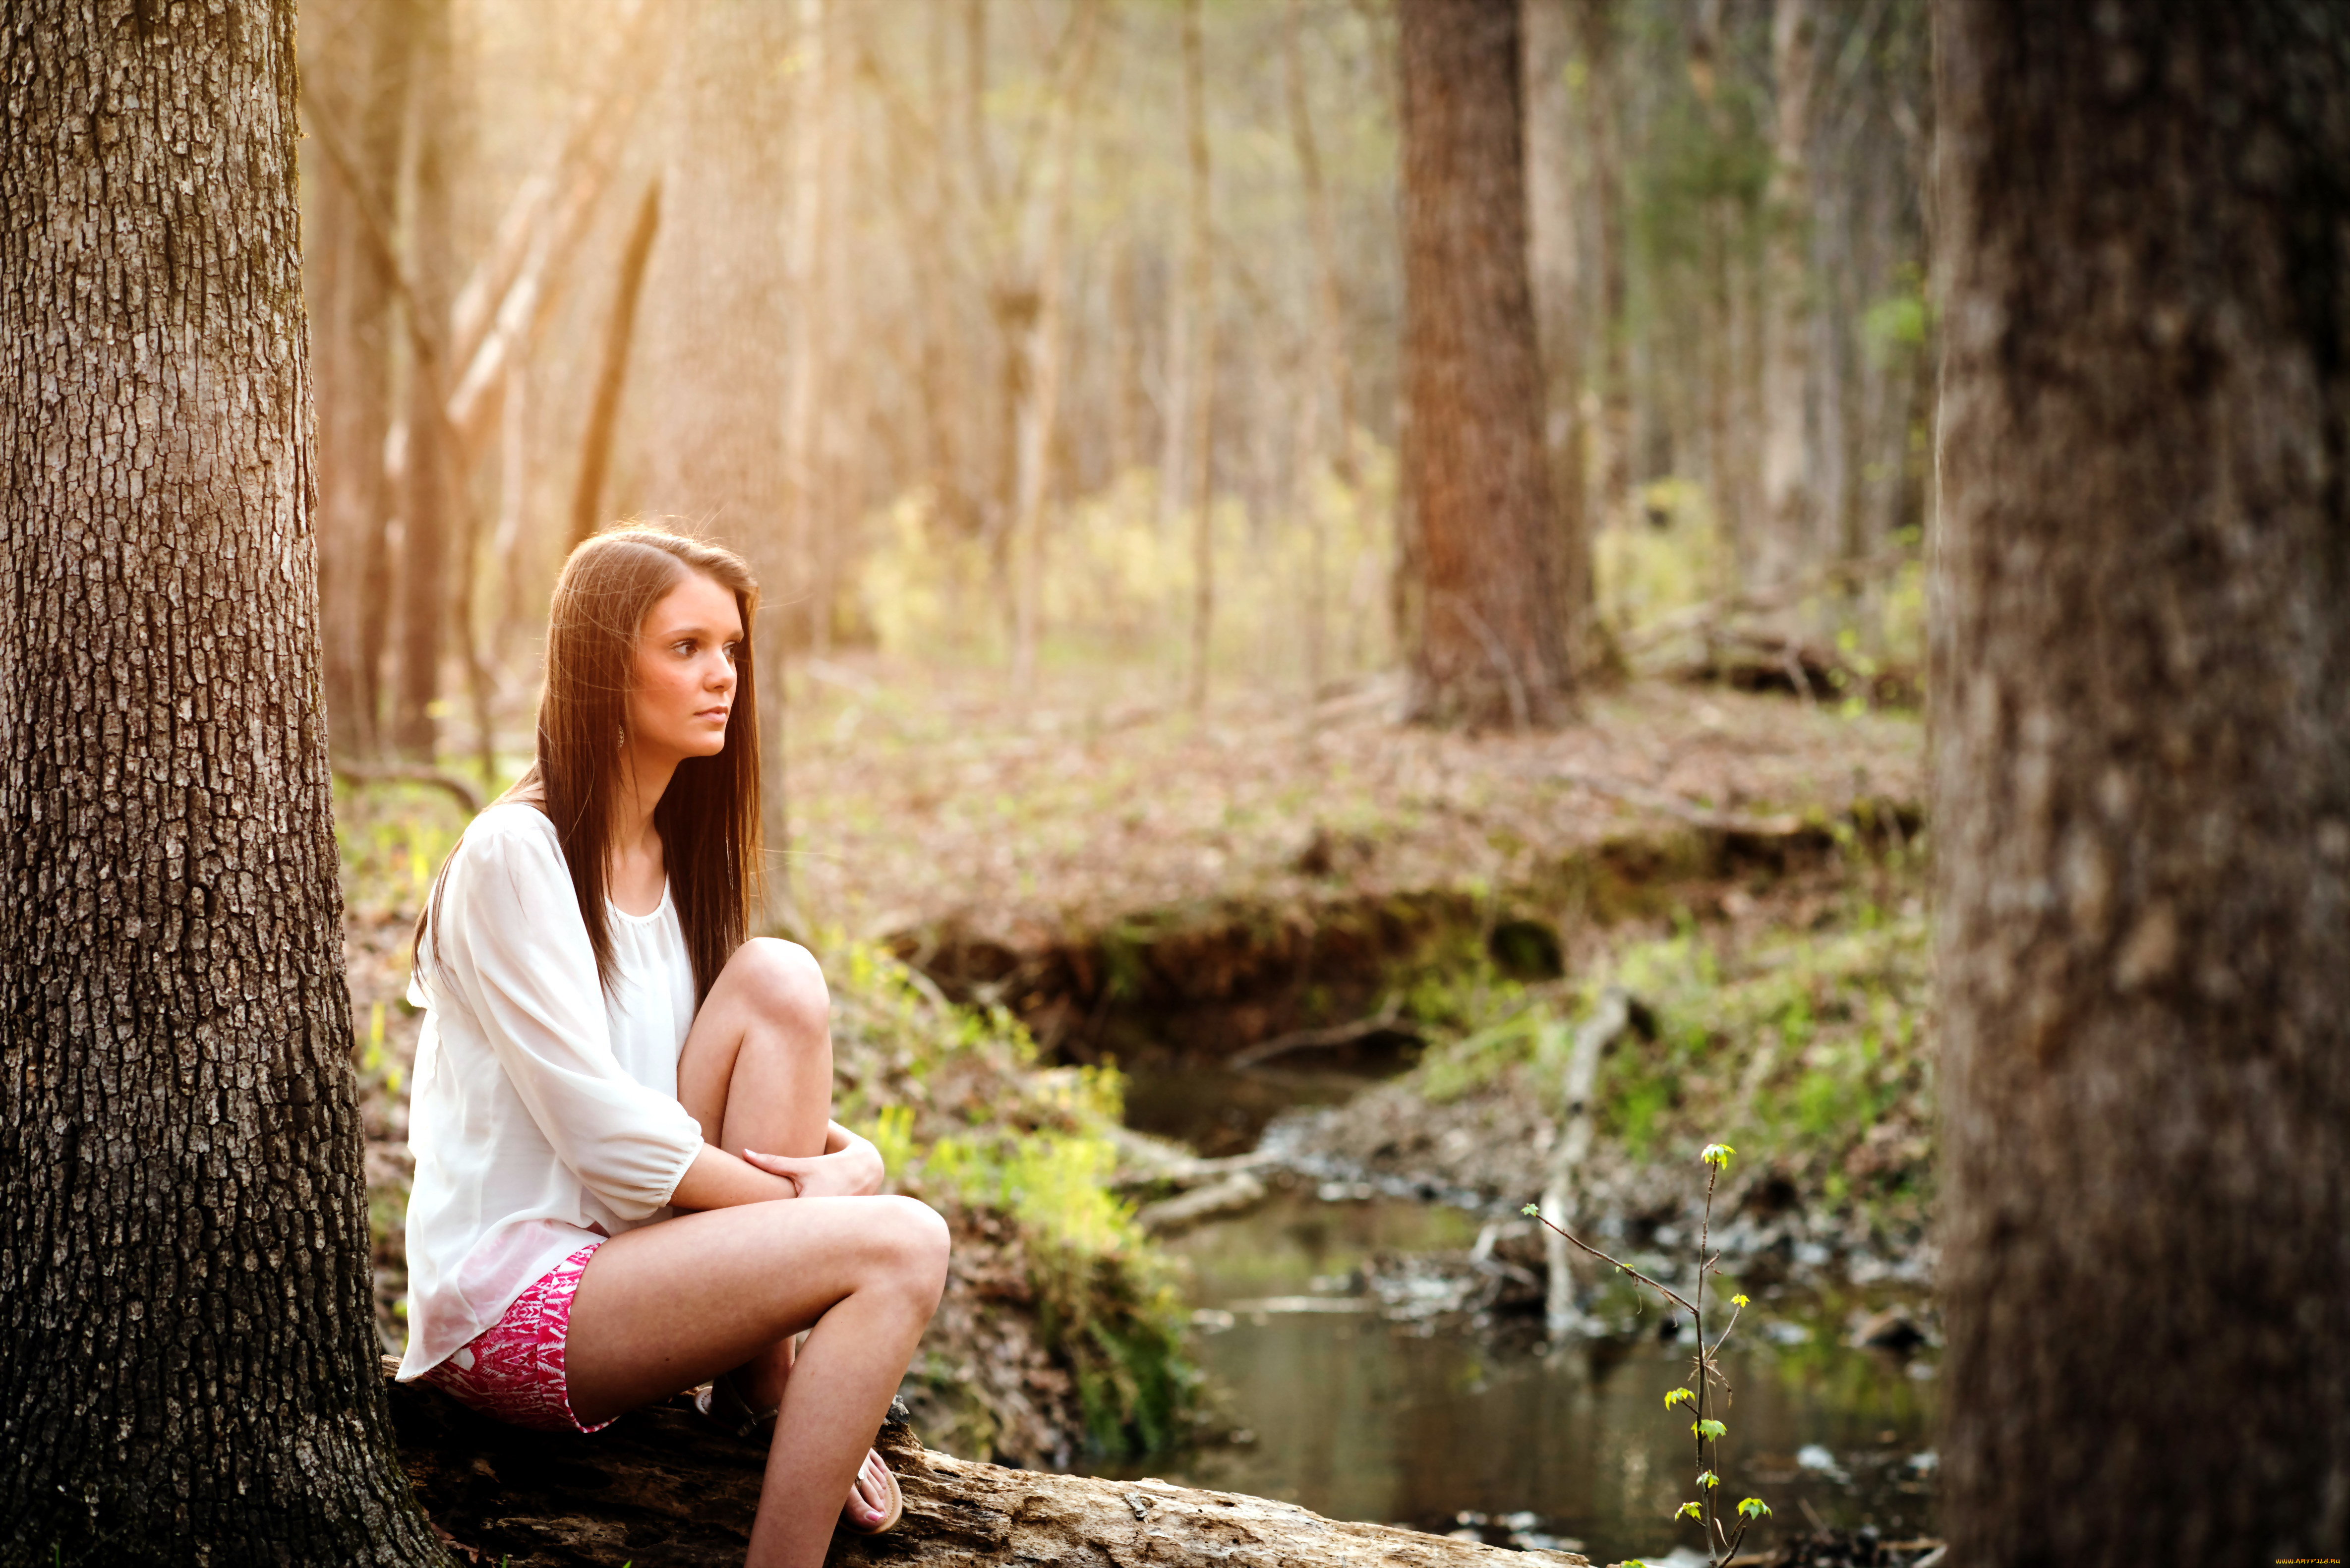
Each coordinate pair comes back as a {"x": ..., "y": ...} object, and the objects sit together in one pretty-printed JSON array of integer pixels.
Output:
[
  {"x": 1054, "y": 344},
  {"x": 1050, "y": 361}
]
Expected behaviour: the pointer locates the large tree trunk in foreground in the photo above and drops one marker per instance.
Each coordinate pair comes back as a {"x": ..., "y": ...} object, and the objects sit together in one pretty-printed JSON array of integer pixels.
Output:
[
  {"x": 1491, "y": 648},
  {"x": 662, "y": 1485},
  {"x": 2142, "y": 812},
  {"x": 188, "y": 1359}
]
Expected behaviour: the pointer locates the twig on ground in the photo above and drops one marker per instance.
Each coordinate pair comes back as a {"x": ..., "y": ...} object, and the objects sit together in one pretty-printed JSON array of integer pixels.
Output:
[{"x": 1385, "y": 1021}]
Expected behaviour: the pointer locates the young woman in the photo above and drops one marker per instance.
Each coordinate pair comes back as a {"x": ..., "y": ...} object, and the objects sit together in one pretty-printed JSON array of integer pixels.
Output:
[{"x": 628, "y": 1179}]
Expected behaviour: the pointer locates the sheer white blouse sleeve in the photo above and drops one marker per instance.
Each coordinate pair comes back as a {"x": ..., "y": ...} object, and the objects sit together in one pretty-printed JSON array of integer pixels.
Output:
[{"x": 543, "y": 1111}]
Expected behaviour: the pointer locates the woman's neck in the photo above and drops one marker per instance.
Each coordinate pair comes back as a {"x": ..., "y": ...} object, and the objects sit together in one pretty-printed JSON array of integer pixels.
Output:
[{"x": 637, "y": 869}]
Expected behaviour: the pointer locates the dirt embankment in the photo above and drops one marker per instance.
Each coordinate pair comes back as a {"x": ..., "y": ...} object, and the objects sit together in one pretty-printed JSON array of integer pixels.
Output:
[{"x": 1130, "y": 882}]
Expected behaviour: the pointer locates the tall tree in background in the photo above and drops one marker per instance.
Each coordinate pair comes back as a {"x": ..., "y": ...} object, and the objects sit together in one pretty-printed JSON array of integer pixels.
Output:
[
  {"x": 429, "y": 461},
  {"x": 350, "y": 282},
  {"x": 1603, "y": 137},
  {"x": 1557, "y": 279},
  {"x": 1785, "y": 537},
  {"x": 1191, "y": 438},
  {"x": 2142, "y": 790},
  {"x": 1490, "y": 645},
  {"x": 188, "y": 1355},
  {"x": 1040, "y": 345},
  {"x": 710, "y": 414}
]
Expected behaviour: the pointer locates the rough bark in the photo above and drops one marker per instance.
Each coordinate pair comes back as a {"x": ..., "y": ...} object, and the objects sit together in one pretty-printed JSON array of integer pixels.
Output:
[
  {"x": 660, "y": 1485},
  {"x": 2142, "y": 812},
  {"x": 1490, "y": 647},
  {"x": 188, "y": 1362},
  {"x": 1785, "y": 536},
  {"x": 712, "y": 405}
]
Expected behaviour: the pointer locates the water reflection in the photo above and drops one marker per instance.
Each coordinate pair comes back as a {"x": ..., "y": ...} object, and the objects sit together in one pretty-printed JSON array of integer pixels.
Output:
[{"x": 1357, "y": 1416}]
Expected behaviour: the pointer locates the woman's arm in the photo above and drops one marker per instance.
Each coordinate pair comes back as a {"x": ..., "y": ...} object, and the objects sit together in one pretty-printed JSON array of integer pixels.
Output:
[{"x": 849, "y": 1166}]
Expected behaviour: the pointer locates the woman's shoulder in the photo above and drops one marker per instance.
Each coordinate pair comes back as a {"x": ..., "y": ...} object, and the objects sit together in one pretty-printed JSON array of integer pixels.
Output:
[{"x": 508, "y": 832}]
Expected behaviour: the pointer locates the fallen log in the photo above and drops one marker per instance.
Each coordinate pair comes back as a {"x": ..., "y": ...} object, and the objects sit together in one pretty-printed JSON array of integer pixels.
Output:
[{"x": 660, "y": 1485}]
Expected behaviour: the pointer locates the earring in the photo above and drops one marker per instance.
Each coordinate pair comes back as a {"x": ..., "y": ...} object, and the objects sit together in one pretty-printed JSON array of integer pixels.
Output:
[{"x": 623, "y": 743}]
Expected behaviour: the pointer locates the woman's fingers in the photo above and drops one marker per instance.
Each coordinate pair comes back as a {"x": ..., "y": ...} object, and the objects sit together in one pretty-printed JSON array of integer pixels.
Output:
[
  {"x": 852, "y": 1173},
  {"x": 792, "y": 1170}
]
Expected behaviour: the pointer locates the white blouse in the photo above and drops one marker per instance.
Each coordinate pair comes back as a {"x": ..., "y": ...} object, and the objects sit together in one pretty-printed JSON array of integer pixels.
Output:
[{"x": 543, "y": 1111}]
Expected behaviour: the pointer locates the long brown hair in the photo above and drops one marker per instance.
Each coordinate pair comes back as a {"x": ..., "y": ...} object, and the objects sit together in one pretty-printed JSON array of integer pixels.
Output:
[{"x": 708, "y": 818}]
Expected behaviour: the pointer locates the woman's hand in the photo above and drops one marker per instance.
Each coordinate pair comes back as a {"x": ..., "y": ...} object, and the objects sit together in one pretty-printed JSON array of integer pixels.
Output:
[{"x": 851, "y": 1167}]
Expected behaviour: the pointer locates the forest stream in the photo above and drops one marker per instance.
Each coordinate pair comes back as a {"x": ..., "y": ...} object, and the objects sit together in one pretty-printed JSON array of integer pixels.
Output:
[{"x": 1348, "y": 1370}]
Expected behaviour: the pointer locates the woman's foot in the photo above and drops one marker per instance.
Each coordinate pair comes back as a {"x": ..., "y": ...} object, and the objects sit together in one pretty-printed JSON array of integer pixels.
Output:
[{"x": 875, "y": 1505}]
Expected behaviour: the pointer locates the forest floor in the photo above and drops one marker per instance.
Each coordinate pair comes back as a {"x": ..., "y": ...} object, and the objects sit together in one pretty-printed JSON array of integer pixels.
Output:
[{"x": 928, "y": 800}]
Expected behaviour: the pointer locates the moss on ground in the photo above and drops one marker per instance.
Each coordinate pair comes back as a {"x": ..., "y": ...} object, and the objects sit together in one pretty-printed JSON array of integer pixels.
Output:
[{"x": 1799, "y": 1030}]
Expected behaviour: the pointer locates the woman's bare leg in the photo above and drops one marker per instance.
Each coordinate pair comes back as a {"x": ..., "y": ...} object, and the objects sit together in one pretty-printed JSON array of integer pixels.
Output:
[
  {"x": 756, "y": 1073},
  {"x": 756, "y": 1068},
  {"x": 863, "y": 1273}
]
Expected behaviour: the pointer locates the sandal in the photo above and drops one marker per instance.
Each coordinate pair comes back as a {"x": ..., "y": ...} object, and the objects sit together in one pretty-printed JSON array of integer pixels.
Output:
[{"x": 718, "y": 1403}]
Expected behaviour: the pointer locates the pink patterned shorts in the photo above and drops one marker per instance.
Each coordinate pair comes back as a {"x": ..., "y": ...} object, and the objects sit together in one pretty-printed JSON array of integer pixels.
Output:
[{"x": 513, "y": 1370}]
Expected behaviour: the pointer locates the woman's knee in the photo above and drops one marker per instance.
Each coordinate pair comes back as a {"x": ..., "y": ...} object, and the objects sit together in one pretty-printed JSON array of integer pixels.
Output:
[
  {"x": 913, "y": 1244},
  {"x": 782, "y": 982}
]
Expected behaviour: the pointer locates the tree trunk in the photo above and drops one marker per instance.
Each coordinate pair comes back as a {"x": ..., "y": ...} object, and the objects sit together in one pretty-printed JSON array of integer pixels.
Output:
[
  {"x": 1329, "y": 309},
  {"x": 428, "y": 490},
  {"x": 351, "y": 304},
  {"x": 1785, "y": 541},
  {"x": 1556, "y": 281},
  {"x": 1040, "y": 347},
  {"x": 661, "y": 1486},
  {"x": 810, "y": 306},
  {"x": 1603, "y": 136},
  {"x": 1198, "y": 424},
  {"x": 1491, "y": 648},
  {"x": 2142, "y": 812},
  {"x": 715, "y": 348},
  {"x": 188, "y": 1358},
  {"x": 612, "y": 370}
]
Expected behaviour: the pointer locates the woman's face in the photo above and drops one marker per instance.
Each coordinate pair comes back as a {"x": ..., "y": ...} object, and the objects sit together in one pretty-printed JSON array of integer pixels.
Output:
[{"x": 685, "y": 672}]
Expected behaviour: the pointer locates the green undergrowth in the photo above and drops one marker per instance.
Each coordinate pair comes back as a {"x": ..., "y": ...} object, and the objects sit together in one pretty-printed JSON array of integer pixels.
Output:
[
  {"x": 1019, "y": 1158},
  {"x": 1810, "y": 1038}
]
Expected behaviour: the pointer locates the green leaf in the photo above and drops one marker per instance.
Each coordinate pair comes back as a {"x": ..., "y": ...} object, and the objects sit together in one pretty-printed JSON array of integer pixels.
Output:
[
  {"x": 1708, "y": 1479},
  {"x": 1531, "y": 1210},
  {"x": 1738, "y": 1301},
  {"x": 1689, "y": 1510},
  {"x": 1708, "y": 1428},
  {"x": 1676, "y": 1396},
  {"x": 1717, "y": 1155},
  {"x": 1755, "y": 1508}
]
